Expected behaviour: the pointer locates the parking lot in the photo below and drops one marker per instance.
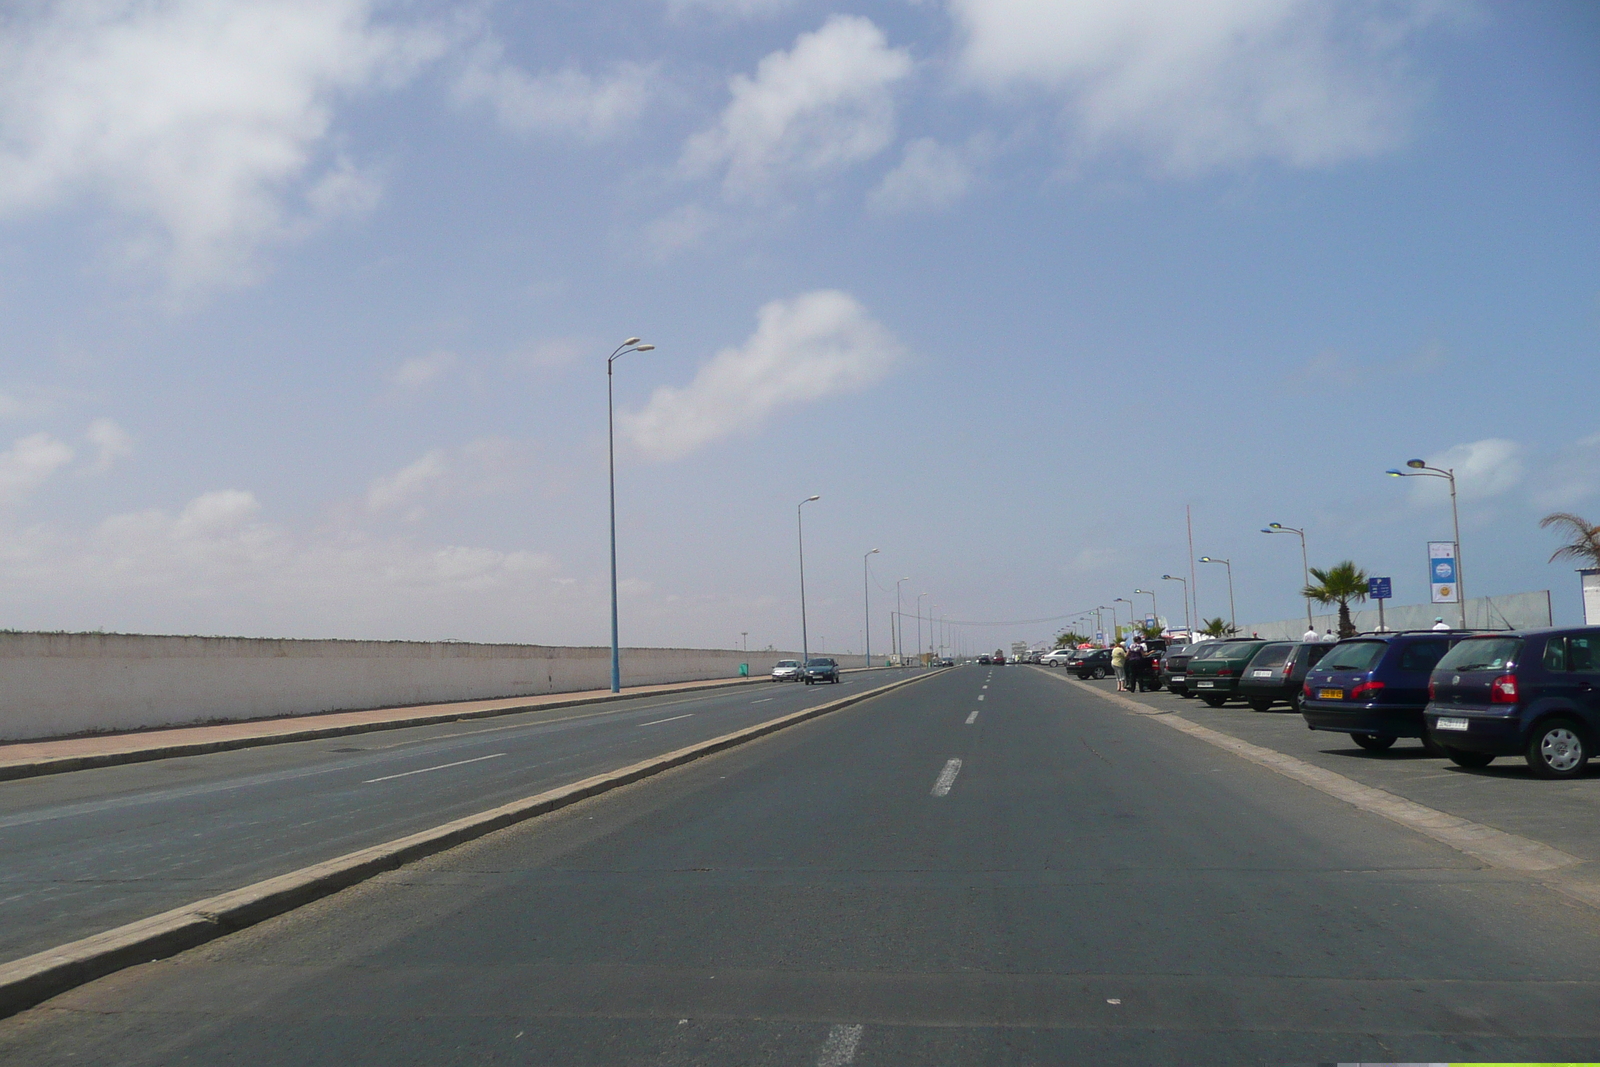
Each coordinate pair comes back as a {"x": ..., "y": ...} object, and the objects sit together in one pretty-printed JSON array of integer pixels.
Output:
[{"x": 1505, "y": 795}]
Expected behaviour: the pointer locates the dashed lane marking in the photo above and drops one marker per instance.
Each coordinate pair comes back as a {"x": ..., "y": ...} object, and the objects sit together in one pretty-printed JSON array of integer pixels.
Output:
[
  {"x": 440, "y": 767},
  {"x": 840, "y": 1047},
  {"x": 947, "y": 778},
  {"x": 972, "y": 718},
  {"x": 675, "y": 718}
]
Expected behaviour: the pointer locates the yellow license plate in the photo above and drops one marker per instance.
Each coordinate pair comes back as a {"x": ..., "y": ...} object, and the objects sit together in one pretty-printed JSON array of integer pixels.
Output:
[{"x": 1330, "y": 694}]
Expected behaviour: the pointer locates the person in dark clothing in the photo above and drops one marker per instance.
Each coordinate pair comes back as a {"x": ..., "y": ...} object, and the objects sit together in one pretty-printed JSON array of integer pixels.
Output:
[{"x": 1138, "y": 667}]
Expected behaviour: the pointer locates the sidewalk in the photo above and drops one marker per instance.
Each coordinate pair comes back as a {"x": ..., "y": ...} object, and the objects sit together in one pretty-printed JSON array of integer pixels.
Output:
[{"x": 27, "y": 759}]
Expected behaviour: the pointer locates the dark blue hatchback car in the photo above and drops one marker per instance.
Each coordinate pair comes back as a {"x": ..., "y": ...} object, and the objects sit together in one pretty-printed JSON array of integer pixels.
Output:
[
  {"x": 1532, "y": 693},
  {"x": 1374, "y": 686}
]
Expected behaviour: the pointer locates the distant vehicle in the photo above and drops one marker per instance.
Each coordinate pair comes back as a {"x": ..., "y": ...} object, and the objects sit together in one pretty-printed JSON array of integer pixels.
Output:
[
  {"x": 821, "y": 669},
  {"x": 1057, "y": 657},
  {"x": 1174, "y": 668},
  {"x": 944, "y": 662},
  {"x": 1213, "y": 672},
  {"x": 985, "y": 659},
  {"x": 1000, "y": 659},
  {"x": 1533, "y": 693},
  {"x": 786, "y": 670},
  {"x": 1278, "y": 671},
  {"x": 1374, "y": 686}
]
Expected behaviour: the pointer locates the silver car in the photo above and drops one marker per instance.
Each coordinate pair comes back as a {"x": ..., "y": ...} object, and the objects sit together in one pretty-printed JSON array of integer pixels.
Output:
[{"x": 786, "y": 670}]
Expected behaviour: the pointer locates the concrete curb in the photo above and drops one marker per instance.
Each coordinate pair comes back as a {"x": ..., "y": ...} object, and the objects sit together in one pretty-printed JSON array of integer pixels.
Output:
[
  {"x": 36, "y": 978},
  {"x": 64, "y": 764}
]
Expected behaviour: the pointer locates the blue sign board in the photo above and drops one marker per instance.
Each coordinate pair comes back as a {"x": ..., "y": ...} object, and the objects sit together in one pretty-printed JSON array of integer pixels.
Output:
[
  {"x": 1379, "y": 588},
  {"x": 1442, "y": 572}
]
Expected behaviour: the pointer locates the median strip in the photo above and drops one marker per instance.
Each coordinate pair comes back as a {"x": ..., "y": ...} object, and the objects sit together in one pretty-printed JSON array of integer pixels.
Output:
[{"x": 36, "y": 978}]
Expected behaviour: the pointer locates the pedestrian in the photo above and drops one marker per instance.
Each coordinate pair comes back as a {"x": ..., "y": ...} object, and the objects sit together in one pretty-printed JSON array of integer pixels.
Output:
[
  {"x": 1330, "y": 635},
  {"x": 1440, "y": 624},
  {"x": 1138, "y": 659},
  {"x": 1310, "y": 634},
  {"x": 1119, "y": 666}
]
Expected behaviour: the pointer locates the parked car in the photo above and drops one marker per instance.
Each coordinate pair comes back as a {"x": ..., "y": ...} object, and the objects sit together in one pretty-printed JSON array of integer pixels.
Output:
[
  {"x": 1058, "y": 657},
  {"x": 1092, "y": 663},
  {"x": 1214, "y": 671},
  {"x": 1174, "y": 668},
  {"x": 1374, "y": 686},
  {"x": 1278, "y": 671},
  {"x": 786, "y": 670},
  {"x": 821, "y": 669},
  {"x": 1533, "y": 693}
]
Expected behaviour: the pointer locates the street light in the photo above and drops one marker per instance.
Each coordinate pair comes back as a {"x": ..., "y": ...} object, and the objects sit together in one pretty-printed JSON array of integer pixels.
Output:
[
  {"x": 1155, "y": 612},
  {"x": 1233, "y": 618},
  {"x": 1424, "y": 471},
  {"x": 919, "y": 626},
  {"x": 866, "y": 597},
  {"x": 1305, "y": 564},
  {"x": 630, "y": 345},
  {"x": 899, "y": 624},
  {"x": 1125, "y": 600},
  {"x": 1187, "y": 624},
  {"x": 800, "y": 527}
]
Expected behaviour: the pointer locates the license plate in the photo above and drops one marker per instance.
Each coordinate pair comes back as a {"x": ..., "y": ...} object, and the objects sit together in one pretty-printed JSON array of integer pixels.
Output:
[
  {"x": 1330, "y": 694},
  {"x": 1204, "y": 685},
  {"x": 1178, "y": 677},
  {"x": 1261, "y": 674},
  {"x": 1450, "y": 724}
]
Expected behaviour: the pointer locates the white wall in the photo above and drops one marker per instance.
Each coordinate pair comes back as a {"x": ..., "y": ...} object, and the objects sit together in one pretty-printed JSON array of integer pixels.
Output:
[
  {"x": 1514, "y": 611},
  {"x": 53, "y": 685}
]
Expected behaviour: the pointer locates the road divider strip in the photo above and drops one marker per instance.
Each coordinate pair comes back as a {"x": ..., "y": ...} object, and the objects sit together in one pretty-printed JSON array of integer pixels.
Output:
[
  {"x": 1497, "y": 848},
  {"x": 36, "y": 978}
]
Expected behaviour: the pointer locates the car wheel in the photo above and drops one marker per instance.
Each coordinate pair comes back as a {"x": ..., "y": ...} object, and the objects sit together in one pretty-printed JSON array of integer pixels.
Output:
[
  {"x": 1470, "y": 760},
  {"x": 1373, "y": 742},
  {"x": 1214, "y": 701},
  {"x": 1557, "y": 750},
  {"x": 1099, "y": 672},
  {"x": 1261, "y": 705}
]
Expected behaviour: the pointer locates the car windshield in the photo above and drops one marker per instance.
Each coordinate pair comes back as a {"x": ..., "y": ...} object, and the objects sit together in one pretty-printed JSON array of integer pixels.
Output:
[
  {"x": 1353, "y": 656},
  {"x": 819, "y": 663},
  {"x": 1210, "y": 650},
  {"x": 788, "y": 663},
  {"x": 1482, "y": 654},
  {"x": 1271, "y": 656}
]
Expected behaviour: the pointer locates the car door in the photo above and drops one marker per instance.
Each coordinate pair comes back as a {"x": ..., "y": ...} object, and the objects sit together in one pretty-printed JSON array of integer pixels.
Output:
[
  {"x": 1416, "y": 664},
  {"x": 1583, "y": 661}
]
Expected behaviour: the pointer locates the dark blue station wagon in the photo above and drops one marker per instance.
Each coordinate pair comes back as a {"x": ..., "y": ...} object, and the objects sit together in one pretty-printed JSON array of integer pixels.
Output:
[
  {"x": 1374, "y": 686},
  {"x": 1533, "y": 693}
]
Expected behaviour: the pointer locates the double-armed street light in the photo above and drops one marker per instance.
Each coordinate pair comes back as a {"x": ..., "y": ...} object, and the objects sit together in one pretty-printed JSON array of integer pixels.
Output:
[
  {"x": 800, "y": 528},
  {"x": 1155, "y": 612},
  {"x": 1233, "y": 618},
  {"x": 1420, "y": 469},
  {"x": 1305, "y": 561},
  {"x": 866, "y": 597},
  {"x": 1187, "y": 624},
  {"x": 630, "y": 345},
  {"x": 899, "y": 623}
]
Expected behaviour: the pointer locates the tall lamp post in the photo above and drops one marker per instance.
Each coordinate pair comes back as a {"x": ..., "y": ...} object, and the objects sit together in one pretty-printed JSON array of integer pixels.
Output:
[
  {"x": 1187, "y": 624},
  {"x": 800, "y": 528},
  {"x": 899, "y": 623},
  {"x": 1305, "y": 562},
  {"x": 1233, "y": 618},
  {"x": 630, "y": 345},
  {"x": 1420, "y": 469},
  {"x": 919, "y": 626},
  {"x": 1155, "y": 612},
  {"x": 866, "y": 597},
  {"x": 1131, "y": 610}
]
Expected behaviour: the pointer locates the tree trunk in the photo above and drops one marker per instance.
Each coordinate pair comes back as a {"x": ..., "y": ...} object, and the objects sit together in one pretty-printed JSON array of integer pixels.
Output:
[{"x": 1347, "y": 628}]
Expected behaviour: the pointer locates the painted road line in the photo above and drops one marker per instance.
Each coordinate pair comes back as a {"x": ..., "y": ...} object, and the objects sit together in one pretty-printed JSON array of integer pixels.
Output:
[
  {"x": 980, "y": 696},
  {"x": 675, "y": 718},
  {"x": 28, "y": 981},
  {"x": 972, "y": 718},
  {"x": 425, "y": 770},
  {"x": 947, "y": 778},
  {"x": 839, "y": 1049},
  {"x": 763, "y": 700}
]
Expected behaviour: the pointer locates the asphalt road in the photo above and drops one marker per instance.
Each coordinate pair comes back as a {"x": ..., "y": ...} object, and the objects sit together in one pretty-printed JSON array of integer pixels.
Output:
[
  {"x": 987, "y": 867},
  {"x": 90, "y": 850}
]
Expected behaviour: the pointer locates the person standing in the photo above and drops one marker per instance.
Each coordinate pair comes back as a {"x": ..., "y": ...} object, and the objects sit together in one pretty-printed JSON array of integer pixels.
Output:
[
  {"x": 1440, "y": 624},
  {"x": 1310, "y": 635},
  {"x": 1119, "y": 666},
  {"x": 1138, "y": 660}
]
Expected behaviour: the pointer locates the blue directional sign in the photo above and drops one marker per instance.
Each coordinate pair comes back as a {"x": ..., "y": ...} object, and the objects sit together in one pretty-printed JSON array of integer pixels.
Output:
[
  {"x": 1442, "y": 572},
  {"x": 1379, "y": 588}
]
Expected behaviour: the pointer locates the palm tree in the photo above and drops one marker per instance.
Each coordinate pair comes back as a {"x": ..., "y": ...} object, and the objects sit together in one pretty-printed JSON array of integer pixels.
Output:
[
  {"x": 1339, "y": 584},
  {"x": 1584, "y": 543},
  {"x": 1217, "y": 627}
]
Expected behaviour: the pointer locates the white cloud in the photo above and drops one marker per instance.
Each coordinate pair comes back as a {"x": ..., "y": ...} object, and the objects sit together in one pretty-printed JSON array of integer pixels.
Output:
[
  {"x": 565, "y": 101},
  {"x": 28, "y": 464},
  {"x": 1202, "y": 85},
  {"x": 488, "y": 465},
  {"x": 408, "y": 483},
  {"x": 204, "y": 122},
  {"x": 814, "y": 345},
  {"x": 679, "y": 228},
  {"x": 930, "y": 177},
  {"x": 112, "y": 442},
  {"x": 418, "y": 371},
  {"x": 815, "y": 109},
  {"x": 739, "y": 9},
  {"x": 1482, "y": 468}
]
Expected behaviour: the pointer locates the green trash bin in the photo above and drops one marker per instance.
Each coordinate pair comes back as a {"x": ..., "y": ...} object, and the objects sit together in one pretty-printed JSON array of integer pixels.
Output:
[{"x": 744, "y": 670}]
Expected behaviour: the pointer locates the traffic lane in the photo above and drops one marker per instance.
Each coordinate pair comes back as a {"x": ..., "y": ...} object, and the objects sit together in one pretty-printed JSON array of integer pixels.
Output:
[
  {"x": 94, "y": 849},
  {"x": 1092, "y": 886},
  {"x": 1504, "y": 795}
]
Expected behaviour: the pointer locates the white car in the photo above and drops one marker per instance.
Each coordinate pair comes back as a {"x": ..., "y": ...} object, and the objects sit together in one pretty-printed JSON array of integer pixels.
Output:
[
  {"x": 786, "y": 670},
  {"x": 1057, "y": 658}
]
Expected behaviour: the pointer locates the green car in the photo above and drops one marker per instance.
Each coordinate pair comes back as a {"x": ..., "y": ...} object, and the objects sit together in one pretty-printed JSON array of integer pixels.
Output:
[{"x": 1216, "y": 667}]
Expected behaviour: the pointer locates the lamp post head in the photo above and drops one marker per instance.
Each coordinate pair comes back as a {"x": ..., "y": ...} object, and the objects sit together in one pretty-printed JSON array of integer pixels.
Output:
[
  {"x": 1415, "y": 464},
  {"x": 874, "y": 552},
  {"x": 630, "y": 341},
  {"x": 1205, "y": 559},
  {"x": 1145, "y": 591},
  {"x": 1394, "y": 473},
  {"x": 1266, "y": 529},
  {"x": 644, "y": 348},
  {"x": 809, "y": 499},
  {"x": 1166, "y": 578},
  {"x": 1274, "y": 525}
]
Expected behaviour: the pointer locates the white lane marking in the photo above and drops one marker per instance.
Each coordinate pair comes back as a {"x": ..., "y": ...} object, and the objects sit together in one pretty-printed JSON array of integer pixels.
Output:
[
  {"x": 763, "y": 700},
  {"x": 674, "y": 718},
  {"x": 947, "y": 778},
  {"x": 986, "y": 687},
  {"x": 980, "y": 696},
  {"x": 972, "y": 718},
  {"x": 840, "y": 1048},
  {"x": 425, "y": 770}
]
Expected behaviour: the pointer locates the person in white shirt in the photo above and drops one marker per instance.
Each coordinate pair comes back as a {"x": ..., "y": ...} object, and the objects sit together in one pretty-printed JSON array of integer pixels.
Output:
[
  {"x": 1440, "y": 624},
  {"x": 1309, "y": 635}
]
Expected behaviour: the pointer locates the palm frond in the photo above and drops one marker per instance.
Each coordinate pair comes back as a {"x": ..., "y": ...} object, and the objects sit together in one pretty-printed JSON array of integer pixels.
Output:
[{"x": 1583, "y": 539}]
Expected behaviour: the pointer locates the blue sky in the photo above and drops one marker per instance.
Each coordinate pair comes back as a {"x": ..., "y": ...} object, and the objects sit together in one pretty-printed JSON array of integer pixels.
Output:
[{"x": 305, "y": 307}]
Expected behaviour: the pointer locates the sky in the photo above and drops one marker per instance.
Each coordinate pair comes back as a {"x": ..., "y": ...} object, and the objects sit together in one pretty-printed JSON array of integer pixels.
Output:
[{"x": 305, "y": 307}]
